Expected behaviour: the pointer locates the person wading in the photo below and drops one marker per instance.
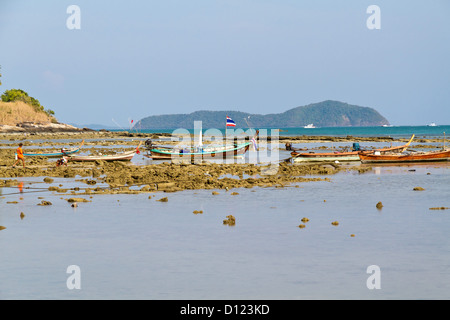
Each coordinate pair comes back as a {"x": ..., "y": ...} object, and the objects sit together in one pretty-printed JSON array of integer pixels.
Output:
[{"x": 20, "y": 156}]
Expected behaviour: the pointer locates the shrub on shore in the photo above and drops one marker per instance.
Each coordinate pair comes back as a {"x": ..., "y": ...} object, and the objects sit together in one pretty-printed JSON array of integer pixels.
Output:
[{"x": 14, "y": 95}]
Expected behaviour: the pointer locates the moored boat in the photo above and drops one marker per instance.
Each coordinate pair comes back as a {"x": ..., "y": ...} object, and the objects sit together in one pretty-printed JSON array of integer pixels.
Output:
[
  {"x": 432, "y": 156},
  {"x": 56, "y": 154},
  {"x": 193, "y": 153},
  {"x": 325, "y": 156},
  {"x": 125, "y": 156},
  {"x": 344, "y": 156},
  {"x": 212, "y": 152}
]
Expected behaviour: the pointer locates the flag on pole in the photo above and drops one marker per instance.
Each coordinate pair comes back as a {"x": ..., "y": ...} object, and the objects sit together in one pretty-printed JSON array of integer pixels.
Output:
[
  {"x": 230, "y": 122},
  {"x": 255, "y": 146}
]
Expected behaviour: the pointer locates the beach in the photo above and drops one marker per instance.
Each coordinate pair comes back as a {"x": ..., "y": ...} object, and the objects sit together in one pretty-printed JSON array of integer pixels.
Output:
[{"x": 154, "y": 230}]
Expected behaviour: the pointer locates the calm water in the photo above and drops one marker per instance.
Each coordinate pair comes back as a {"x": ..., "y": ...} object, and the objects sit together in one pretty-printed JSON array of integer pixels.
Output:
[
  {"x": 395, "y": 131},
  {"x": 132, "y": 247}
]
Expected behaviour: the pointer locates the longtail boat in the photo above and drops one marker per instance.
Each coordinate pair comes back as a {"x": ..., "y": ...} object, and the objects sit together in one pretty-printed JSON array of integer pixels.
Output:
[
  {"x": 58, "y": 154},
  {"x": 212, "y": 152},
  {"x": 192, "y": 153},
  {"x": 432, "y": 156},
  {"x": 125, "y": 156},
  {"x": 343, "y": 156}
]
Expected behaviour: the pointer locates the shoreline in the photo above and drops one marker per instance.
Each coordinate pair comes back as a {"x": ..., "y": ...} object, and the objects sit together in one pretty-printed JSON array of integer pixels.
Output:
[
  {"x": 93, "y": 134},
  {"x": 120, "y": 176}
]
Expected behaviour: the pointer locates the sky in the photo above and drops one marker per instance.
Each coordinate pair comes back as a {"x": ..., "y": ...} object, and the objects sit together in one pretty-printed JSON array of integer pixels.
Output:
[{"x": 133, "y": 59}]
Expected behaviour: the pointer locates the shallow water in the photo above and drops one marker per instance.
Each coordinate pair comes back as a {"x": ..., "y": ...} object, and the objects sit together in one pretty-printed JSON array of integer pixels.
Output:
[{"x": 132, "y": 247}]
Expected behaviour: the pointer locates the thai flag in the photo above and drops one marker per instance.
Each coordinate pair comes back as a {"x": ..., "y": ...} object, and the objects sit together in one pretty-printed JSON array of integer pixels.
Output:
[
  {"x": 255, "y": 146},
  {"x": 230, "y": 122}
]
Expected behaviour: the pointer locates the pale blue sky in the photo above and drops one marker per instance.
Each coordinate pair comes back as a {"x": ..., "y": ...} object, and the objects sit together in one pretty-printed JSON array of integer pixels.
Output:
[{"x": 132, "y": 59}]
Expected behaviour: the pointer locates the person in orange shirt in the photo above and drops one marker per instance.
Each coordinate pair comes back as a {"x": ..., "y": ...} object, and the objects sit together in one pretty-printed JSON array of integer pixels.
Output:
[{"x": 20, "y": 156}]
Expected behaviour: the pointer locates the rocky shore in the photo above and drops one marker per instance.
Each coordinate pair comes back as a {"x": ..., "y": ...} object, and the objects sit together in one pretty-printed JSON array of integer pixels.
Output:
[
  {"x": 120, "y": 177},
  {"x": 31, "y": 127},
  {"x": 128, "y": 177}
]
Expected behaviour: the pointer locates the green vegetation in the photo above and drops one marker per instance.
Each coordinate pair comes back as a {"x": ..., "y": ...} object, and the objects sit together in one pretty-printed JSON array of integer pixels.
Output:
[
  {"x": 323, "y": 114},
  {"x": 20, "y": 95}
]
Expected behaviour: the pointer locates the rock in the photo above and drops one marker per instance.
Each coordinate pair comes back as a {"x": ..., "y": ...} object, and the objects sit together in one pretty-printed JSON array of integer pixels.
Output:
[
  {"x": 305, "y": 220},
  {"x": 197, "y": 211},
  {"x": 335, "y": 223},
  {"x": 231, "y": 220},
  {"x": 234, "y": 193},
  {"x": 147, "y": 188},
  {"x": 439, "y": 208},
  {"x": 48, "y": 180},
  {"x": 2, "y": 228},
  {"x": 301, "y": 226},
  {"x": 45, "y": 203},
  {"x": 165, "y": 186},
  {"x": 22, "y": 215},
  {"x": 77, "y": 200},
  {"x": 163, "y": 199},
  {"x": 418, "y": 189},
  {"x": 215, "y": 193},
  {"x": 379, "y": 205},
  {"x": 74, "y": 205},
  {"x": 174, "y": 189}
]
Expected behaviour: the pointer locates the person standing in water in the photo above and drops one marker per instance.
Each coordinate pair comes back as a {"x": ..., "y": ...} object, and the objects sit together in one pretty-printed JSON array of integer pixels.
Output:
[{"x": 20, "y": 156}]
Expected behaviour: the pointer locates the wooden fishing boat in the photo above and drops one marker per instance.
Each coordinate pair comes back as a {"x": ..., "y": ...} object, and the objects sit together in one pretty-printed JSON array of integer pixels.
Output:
[
  {"x": 58, "y": 154},
  {"x": 343, "y": 156},
  {"x": 325, "y": 156},
  {"x": 191, "y": 153},
  {"x": 432, "y": 156},
  {"x": 125, "y": 156}
]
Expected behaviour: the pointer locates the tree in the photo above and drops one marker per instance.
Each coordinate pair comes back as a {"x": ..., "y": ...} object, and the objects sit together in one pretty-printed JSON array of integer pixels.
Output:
[{"x": 20, "y": 95}]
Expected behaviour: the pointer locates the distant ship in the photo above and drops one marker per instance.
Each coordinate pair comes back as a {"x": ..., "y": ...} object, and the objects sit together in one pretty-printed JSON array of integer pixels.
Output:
[
  {"x": 387, "y": 125},
  {"x": 309, "y": 126},
  {"x": 432, "y": 124}
]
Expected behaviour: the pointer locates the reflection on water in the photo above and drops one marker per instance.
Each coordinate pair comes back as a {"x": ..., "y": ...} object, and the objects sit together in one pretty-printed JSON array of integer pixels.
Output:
[{"x": 135, "y": 247}]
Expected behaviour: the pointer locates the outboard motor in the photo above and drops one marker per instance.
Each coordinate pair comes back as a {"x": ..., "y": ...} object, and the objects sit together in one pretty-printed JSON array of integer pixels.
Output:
[
  {"x": 356, "y": 147},
  {"x": 148, "y": 144}
]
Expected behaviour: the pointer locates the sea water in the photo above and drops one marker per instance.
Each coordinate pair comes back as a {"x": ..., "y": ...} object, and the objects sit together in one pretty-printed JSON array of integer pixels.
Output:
[
  {"x": 133, "y": 247},
  {"x": 377, "y": 131}
]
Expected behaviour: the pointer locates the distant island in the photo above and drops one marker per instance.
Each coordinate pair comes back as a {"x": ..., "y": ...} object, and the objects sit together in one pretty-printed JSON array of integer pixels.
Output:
[{"x": 322, "y": 114}]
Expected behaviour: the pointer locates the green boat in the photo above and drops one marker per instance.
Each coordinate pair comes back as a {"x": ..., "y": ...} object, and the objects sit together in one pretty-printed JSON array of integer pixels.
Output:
[
  {"x": 213, "y": 152},
  {"x": 63, "y": 152}
]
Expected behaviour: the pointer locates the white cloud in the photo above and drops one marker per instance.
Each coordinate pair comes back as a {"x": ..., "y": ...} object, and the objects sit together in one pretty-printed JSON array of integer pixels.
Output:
[{"x": 52, "y": 79}]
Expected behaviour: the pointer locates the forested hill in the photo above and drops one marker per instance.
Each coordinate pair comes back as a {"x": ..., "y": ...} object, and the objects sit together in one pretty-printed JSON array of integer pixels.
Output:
[{"x": 323, "y": 114}]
